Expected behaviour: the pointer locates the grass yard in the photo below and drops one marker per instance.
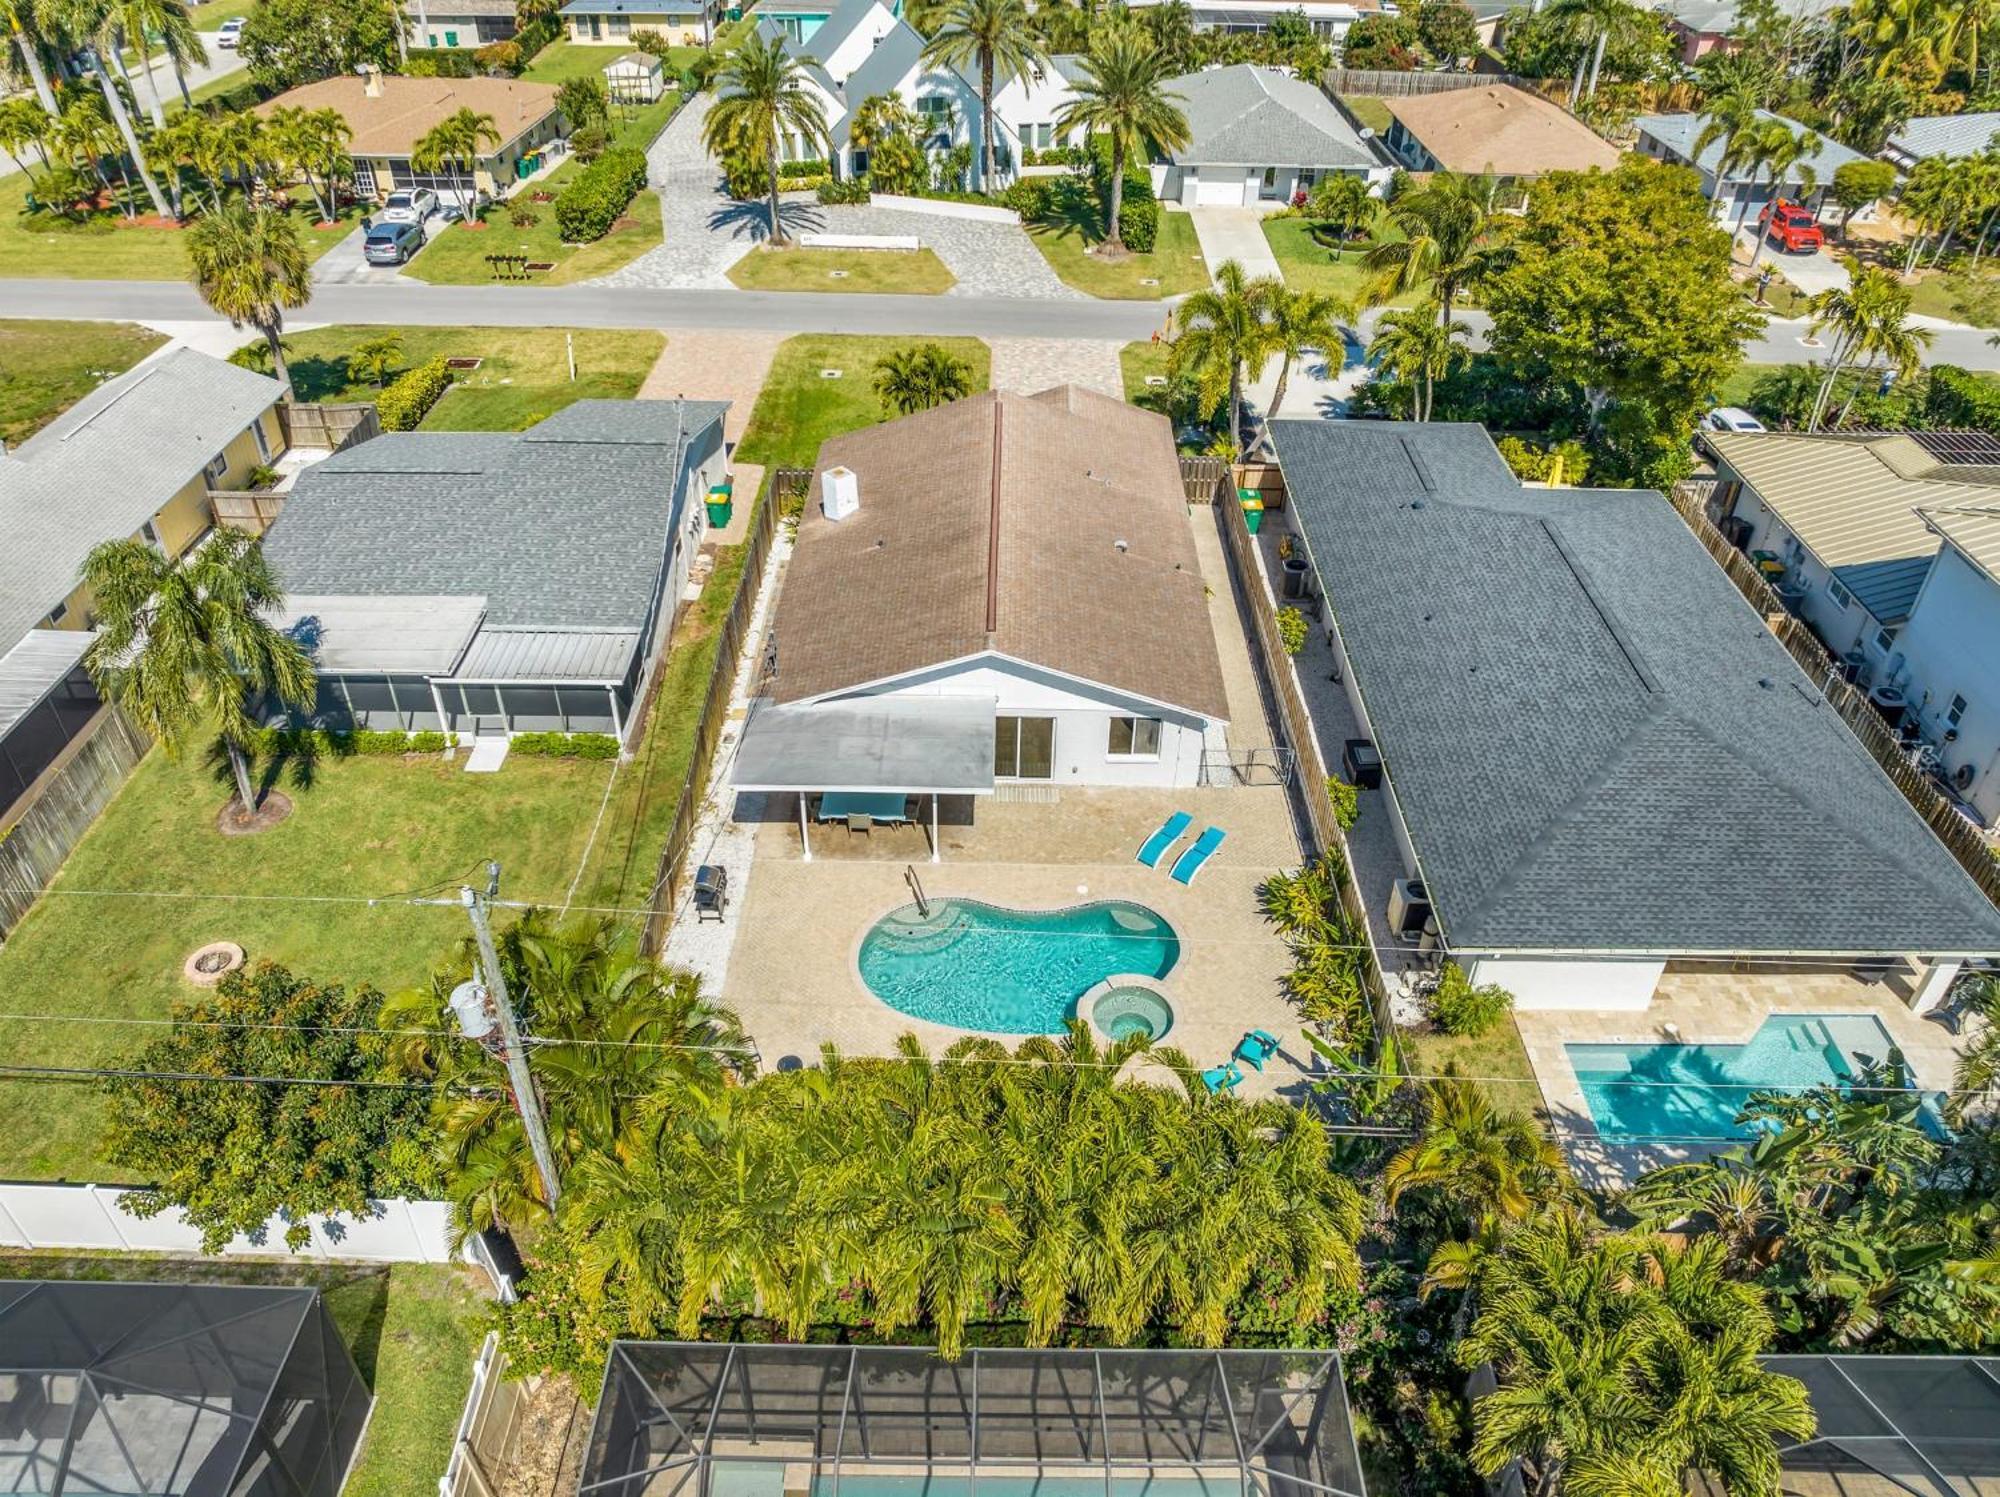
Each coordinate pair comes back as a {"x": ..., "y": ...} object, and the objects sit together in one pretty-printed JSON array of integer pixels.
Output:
[
  {"x": 456, "y": 256},
  {"x": 101, "y": 250},
  {"x": 798, "y": 409},
  {"x": 210, "y": 14},
  {"x": 52, "y": 365},
  {"x": 1373, "y": 113},
  {"x": 1498, "y": 1059},
  {"x": 1309, "y": 265},
  {"x": 1736, "y": 389},
  {"x": 562, "y": 60},
  {"x": 525, "y": 375},
  {"x": 412, "y": 1329},
  {"x": 1175, "y": 264},
  {"x": 365, "y": 827},
  {"x": 1138, "y": 362},
  {"x": 907, "y": 272}
]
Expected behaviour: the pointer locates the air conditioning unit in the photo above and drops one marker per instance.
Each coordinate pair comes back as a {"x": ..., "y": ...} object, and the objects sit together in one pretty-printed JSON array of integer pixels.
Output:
[{"x": 1409, "y": 908}]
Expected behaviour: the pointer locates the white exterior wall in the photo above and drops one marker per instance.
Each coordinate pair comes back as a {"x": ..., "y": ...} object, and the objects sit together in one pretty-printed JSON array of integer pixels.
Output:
[
  {"x": 1082, "y": 716},
  {"x": 1033, "y": 102},
  {"x": 1554, "y": 983},
  {"x": 855, "y": 47},
  {"x": 1842, "y": 628},
  {"x": 1952, "y": 647}
]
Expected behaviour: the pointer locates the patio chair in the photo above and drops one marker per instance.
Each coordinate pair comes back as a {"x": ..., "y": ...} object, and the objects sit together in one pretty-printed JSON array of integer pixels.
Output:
[
  {"x": 1223, "y": 1078},
  {"x": 1191, "y": 862},
  {"x": 1155, "y": 847},
  {"x": 862, "y": 822},
  {"x": 1256, "y": 1047}
]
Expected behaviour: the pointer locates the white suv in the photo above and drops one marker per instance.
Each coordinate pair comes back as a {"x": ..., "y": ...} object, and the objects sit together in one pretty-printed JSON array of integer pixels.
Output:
[
  {"x": 229, "y": 33},
  {"x": 413, "y": 206}
]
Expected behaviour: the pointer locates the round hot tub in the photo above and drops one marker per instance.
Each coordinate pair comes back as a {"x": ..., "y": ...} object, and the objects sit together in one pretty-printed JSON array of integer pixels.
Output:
[{"x": 1125, "y": 1005}]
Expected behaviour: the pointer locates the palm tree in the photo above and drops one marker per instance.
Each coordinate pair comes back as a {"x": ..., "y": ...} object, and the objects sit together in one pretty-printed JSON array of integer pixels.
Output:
[
  {"x": 1711, "y": 1404},
  {"x": 182, "y": 644},
  {"x": 23, "y": 125},
  {"x": 996, "y": 36},
  {"x": 1445, "y": 225},
  {"x": 1596, "y": 21},
  {"x": 1226, "y": 332},
  {"x": 250, "y": 266},
  {"x": 1344, "y": 201},
  {"x": 1302, "y": 320},
  {"x": 141, "y": 21},
  {"x": 96, "y": 27},
  {"x": 453, "y": 146},
  {"x": 24, "y": 27},
  {"x": 1869, "y": 319},
  {"x": 909, "y": 380},
  {"x": 1476, "y": 1163},
  {"x": 1123, "y": 96},
  {"x": 182, "y": 43},
  {"x": 314, "y": 143},
  {"x": 1416, "y": 348},
  {"x": 376, "y": 356},
  {"x": 761, "y": 99}
]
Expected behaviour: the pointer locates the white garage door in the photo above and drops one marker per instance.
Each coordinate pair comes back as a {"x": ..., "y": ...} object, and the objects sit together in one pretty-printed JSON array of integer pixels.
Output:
[{"x": 1220, "y": 186}]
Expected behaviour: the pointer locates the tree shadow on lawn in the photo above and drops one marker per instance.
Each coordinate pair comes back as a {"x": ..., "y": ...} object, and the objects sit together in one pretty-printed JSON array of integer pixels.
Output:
[
  {"x": 321, "y": 377},
  {"x": 295, "y": 758},
  {"x": 1072, "y": 206}
]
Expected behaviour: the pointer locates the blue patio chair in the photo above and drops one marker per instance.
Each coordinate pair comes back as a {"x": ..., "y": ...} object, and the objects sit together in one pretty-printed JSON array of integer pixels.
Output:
[
  {"x": 1256, "y": 1047},
  {"x": 1155, "y": 847},
  {"x": 1223, "y": 1078},
  {"x": 1190, "y": 862}
]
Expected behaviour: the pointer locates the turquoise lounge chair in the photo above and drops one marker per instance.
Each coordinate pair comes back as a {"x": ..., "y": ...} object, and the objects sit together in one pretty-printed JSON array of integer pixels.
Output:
[
  {"x": 1255, "y": 1048},
  {"x": 1155, "y": 847},
  {"x": 1223, "y": 1078},
  {"x": 1189, "y": 863}
]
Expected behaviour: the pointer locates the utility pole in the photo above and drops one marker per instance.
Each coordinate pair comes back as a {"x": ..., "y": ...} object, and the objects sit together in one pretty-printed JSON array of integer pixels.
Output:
[{"x": 526, "y": 1102}]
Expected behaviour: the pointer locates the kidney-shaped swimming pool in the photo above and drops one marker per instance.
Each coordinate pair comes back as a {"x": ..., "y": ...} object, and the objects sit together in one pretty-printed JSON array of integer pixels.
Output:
[{"x": 982, "y": 966}]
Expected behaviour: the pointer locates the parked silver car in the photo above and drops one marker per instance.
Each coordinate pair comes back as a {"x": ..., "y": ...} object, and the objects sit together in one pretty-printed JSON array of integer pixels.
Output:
[{"x": 410, "y": 206}]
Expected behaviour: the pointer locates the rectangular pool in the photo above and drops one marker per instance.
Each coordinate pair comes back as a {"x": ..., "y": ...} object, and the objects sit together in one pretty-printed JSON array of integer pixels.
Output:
[{"x": 1695, "y": 1091}]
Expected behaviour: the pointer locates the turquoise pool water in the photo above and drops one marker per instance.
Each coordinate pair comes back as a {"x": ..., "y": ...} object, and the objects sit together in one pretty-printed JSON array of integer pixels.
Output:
[
  {"x": 1695, "y": 1091},
  {"x": 982, "y": 966}
]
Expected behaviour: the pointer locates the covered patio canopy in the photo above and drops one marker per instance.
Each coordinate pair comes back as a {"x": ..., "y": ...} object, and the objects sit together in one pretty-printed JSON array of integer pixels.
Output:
[{"x": 869, "y": 745}]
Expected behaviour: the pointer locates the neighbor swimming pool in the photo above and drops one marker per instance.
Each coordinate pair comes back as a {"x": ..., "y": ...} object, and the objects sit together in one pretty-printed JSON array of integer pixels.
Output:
[
  {"x": 1695, "y": 1091},
  {"x": 982, "y": 966}
]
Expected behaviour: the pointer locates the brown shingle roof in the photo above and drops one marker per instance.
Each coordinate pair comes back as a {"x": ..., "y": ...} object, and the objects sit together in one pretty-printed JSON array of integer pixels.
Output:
[
  {"x": 409, "y": 108},
  {"x": 993, "y": 524},
  {"x": 1504, "y": 130}
]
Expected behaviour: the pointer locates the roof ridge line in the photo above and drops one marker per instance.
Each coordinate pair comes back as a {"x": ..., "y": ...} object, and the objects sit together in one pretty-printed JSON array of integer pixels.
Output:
[{"x": 993, "y": 529}]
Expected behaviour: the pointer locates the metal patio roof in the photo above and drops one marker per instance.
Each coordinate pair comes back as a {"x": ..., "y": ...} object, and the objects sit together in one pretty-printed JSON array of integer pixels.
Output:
[{"x": 919, "y": 745}]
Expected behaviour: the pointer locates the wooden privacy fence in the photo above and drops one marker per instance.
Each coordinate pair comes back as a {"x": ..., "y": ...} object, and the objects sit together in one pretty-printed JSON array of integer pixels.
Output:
[
  {"x": 1386, "y": 84},
  {"x": 1201, "y": 478},
  {"x": 1294, "y": 725},
  {"x": 334, "y": 427},
  {"x": 49, "y": 820},
  {"x": 786, "y": 484},
  {"x": 245, "y": 509},
  {"x": 1961, "y": 839}
]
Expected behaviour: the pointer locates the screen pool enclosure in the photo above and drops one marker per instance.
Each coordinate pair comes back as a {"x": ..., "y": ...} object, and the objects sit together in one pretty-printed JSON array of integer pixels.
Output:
[
  {"x": 1925, "y": 1425},
  {"x": 173, "y": 1390},
  {"x": 696, "y": 1420}
]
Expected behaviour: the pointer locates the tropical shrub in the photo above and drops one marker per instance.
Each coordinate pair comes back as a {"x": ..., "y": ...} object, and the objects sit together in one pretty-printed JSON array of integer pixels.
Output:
[
  {"x": 596, "y": 196},
  {"x": 440, "y": 62},
  {"x": 523, "y": 216},
  {"x": 1457, "y": 1007},
  {"x": 1961, "y": 399},
  {"x": 1346, "y": 801},
  {"x": 411, "y": 394},
  {"x": 1030, "y": 197},
  {"x": 831, "y": 192},
  {"x": 1139, "y": 210},
  {"x": 501, "y": 58},
  {"x": 588, "y": 142},
  {"x": 565, "y": 745},
  {"x": 806, "y": 166},
  {"x": 1292, "y": 630},
  {"x": 312, "y": 743}
]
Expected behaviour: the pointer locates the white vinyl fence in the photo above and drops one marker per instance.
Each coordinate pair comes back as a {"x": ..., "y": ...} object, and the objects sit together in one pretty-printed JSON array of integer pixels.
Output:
[{"x": 94, "y": 1216}]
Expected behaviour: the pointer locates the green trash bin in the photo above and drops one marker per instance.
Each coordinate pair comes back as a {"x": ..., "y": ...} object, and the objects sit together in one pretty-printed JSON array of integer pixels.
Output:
[
  {"x": 1253, "y": 513},
  {"x": 721, "y": 502}
]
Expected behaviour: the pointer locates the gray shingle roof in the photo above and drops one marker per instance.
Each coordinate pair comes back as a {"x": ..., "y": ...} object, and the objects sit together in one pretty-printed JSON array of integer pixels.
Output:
[
  {"x": 561, "y": 526},
  {"x": 1596, "y": 743},
  {"x": 108, "y": 464},
  {"x": 1945, "y": 135},
  {"x": 1679, "y": 132},
  {"x": 1252, "y": 116}
]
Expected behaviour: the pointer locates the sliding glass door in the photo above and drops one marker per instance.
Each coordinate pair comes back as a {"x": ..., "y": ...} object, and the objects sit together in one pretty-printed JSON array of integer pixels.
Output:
[{"x": 1024, "y": 748}]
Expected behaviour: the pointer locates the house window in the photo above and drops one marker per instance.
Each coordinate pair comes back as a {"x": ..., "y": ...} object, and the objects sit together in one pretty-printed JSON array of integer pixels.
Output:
[
  {"x": 58, "y": 613},
  {"x": 1839, "y": 594},
  {"x": 621, "y": 27},
  {"x": 149, "y": 535},
  {"x": 263, "y": 442},
  {"x": 1885, "y": 640},
  {"x": 1024, "y": 748},
  {"x": 1955, "y": 713},
  {"x": 1134, "y": 738},
  {"x": 217, "y": 466}
]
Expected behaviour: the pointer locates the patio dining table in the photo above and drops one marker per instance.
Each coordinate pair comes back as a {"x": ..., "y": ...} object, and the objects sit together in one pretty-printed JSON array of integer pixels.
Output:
[{"x": 880, "y": 805}]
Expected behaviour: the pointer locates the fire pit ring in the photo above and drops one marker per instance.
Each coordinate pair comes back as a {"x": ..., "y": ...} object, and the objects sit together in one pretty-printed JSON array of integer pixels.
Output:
[{"x": 213, "y": 962}]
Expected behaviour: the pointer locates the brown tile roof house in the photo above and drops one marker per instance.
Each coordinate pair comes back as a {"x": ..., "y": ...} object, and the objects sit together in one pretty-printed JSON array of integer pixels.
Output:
[
  {"x": 1504, "y": 130},
  {"x": 1050, "y": 529},
  {"x": 390, "y": 114}
]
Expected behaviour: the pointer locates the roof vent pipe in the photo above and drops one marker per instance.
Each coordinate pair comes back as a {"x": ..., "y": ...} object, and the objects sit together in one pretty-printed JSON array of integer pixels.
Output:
[{"x": 839, "y": 493}]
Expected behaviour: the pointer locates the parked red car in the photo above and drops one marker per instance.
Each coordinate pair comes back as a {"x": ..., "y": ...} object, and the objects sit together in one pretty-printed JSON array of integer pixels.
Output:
[{"x": 1795, "y": 229}]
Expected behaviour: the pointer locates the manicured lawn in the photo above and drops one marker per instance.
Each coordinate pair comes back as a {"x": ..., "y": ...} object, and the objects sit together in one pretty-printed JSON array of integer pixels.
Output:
[
  {"x": 524, "y": 376},
  {"x": 1372, "y": 112},
  {"x": 1967, "y": 296},
  {"x": 914, "y": 273},
  {"x": 796, "y": 411},
  {"x": 563, "y": 60},
  {"x": 1309, "y": 265},
  {"x": 1736, "y": 389},
  {"x": 365, "y": 827},
  {"x": 412, "y": 1329},
  {"x": 210, "y": 15},
  {"x": 1175, "y": 264},
  {"x": 102, "y": 250},
  {"x": 1138, "y": 361},
  {"x": 1497, "y": 1060},
  {"x": 456, "y": 256},
  {"x": 52, "y": 365}
]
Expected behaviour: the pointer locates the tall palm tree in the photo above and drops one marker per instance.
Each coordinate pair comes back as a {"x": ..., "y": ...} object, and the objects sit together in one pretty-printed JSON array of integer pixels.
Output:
[
  {"x": 1869, "y": 320},
  {"x": 313, "y": 142},
  {"x": 1123, "y": 96},
  {"x": 1303, "y": 320},
  {"x": 182, "y": 43},
  {"x": 186, "y": 644},
  {"x": 95, "y": 26},
  {"x": 23, "y": 126},
  {"x": 995, "y": 36},
  {"x": 1344, "y": 201},
  {"x": 1225, "y": 336},
  {"x": 1595, "y": 23},
  {"x": 250, "y": 266},
  {"x": 1416, "y": 348},
  {"x": 908, "y": 380},
  {"x": 453, "y": 146},
  {"x": 761, "y": 98},
  {"x": 1476, "y": 1163},
  {"x": 24, "y": 21},
  {"x": 1446, "y": 224},
  {"x": 140, "y": 21}
]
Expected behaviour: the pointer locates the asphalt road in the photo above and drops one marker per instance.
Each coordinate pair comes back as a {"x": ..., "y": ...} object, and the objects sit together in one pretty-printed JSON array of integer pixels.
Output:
[{"x": 783, "y": 312}]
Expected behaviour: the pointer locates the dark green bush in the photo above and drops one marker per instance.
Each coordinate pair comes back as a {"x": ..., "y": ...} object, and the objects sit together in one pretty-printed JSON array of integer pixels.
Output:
[
  {"x": 367, "y": 743},
  {"x": 855, "y": 191},
  {"x": 565, "y": 745},
  {"x": 1961, "y": 399},
  {"x": 1457, "y": 1007},
  {"x": 1030, "y": 198},
  {"x": 411, "y": 394},
  {"x": 595, "y": 197},
  {"x": 441, "y": 62},
  {"x": 809, "y": 167}
]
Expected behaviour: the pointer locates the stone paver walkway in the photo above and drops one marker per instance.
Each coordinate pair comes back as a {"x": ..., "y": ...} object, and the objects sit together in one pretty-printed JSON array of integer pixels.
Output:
[
  {"x": 714, "y": 365},
  {"x": 1235, "y": 234},
  {"x": 1026, "y": 365}
]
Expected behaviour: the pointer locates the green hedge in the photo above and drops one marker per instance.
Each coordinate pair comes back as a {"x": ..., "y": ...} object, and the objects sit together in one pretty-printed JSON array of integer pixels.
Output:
[
  {"x": 411, "y": 394},
  {"x": 831, "y": 191},
  {"x": 595, "y": 197},
  {"x": 443, "y": 62},
  {"x": 565, "y": 745},
  {"x": 364, "y": 742},
  {"x": 1957, "y": 398},
  {"x": 809, "y": 167}
]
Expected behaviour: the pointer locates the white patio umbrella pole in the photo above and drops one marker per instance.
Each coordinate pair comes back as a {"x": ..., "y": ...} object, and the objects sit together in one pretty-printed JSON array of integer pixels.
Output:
[{"x": 805, "y": 842}]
